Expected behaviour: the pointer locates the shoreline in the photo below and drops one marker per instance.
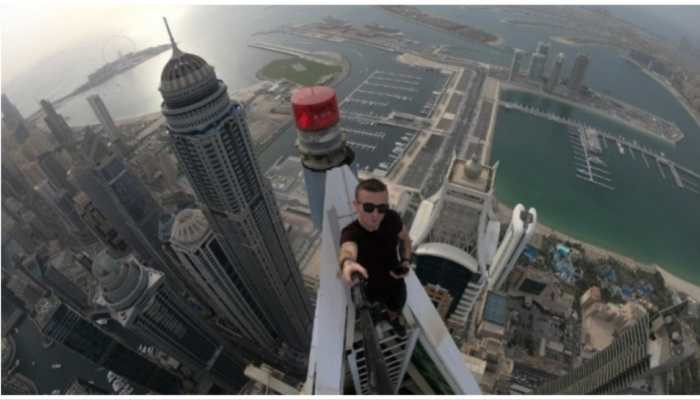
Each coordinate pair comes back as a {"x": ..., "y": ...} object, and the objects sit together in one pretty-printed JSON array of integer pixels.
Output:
[
  {"x": 669, "y": 88},
  {"x": 597, "y": 252}
]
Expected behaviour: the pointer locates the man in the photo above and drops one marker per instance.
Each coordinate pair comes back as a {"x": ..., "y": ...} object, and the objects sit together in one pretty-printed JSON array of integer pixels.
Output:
[{"x": 369, "y": 246}]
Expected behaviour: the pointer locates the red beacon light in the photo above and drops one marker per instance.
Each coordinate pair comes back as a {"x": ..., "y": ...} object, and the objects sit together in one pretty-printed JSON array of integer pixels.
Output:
[{"x": 315, "y": 108}]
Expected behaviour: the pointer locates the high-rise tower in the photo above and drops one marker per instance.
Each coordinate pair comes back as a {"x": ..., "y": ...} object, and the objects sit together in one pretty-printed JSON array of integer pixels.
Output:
[
  {"x": 515, "y": 64},
  {"x": 61, "y": 205},
  {"x": 141, "y": 300},
  {"x": 522, "y": 227},
  {"x": 578, "y": 73},
  {"x": 123, "y": 199},
  {"x": 57, "y": 124},
  {"x": 554, "y": 77},
  {"x": 543, "y": 48},
  {"x": 200, "y": 252},
  {"x": 102, "y": 114},
  {"x": 536, "y": 69},
  {"x": 455, "y": 233},
  {"x": 53, "y": 169},
  {"x": 14, "y": 119},
  {"x": 210, "y": 137}
]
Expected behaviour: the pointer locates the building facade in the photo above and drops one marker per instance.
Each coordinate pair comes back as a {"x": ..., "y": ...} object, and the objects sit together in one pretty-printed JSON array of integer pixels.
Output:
[
  {"x": 14, "y": 120},
  {"x": 57, "y": 124},
  {"x": 578, "y": 73},
  {"x": 555, "y": 76},
  {"x": 536, "y": 69},
  {"x": 124, "y": 201},
  {"x": 200, "y": 252},
  {"x": 516, "y": 64},
  {"x": 522, "y": 227},
  {"x": 54, "y": 171},
  {"x": 102, "y": 114}
]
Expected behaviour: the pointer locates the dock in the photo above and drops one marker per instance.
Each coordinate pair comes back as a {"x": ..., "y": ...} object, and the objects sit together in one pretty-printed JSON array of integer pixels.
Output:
[
  {"x": 661, "y": 169},
  {"x": 676, "y": 177},
  {"x": 688, "y": 180},
  {"x": 585, "y": 170}
]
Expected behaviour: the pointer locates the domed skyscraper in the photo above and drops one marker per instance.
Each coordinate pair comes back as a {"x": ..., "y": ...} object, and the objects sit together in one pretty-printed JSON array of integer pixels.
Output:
[
  {"x": 210, "y": 136},
  {"x": 141, "y": 300}
]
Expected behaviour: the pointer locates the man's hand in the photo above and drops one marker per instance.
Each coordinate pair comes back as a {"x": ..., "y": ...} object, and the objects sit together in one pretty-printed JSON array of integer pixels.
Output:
[
  {"x": 406, "y": 268},
  {"x": 350, "y": 267}
]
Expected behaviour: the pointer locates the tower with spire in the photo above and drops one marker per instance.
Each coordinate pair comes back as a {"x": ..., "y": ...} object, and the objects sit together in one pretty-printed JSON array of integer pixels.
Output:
[{"x": 210, "y": 136}]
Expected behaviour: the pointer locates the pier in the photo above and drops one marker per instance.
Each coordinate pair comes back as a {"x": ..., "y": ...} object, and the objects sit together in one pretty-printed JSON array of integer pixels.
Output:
[
  {"x": 585, "y": 170},
  {"x": 661, "y": 169},
  {"x": 690, "y": 180}
]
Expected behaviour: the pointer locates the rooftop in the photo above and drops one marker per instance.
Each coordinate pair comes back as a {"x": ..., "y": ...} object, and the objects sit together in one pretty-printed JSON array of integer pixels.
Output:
[
  {"x": 481, "y": 181},
  {"x": 495, "y": 310}
]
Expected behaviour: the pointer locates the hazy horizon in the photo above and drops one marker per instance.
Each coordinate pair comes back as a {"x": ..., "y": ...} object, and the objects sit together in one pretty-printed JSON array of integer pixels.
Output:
[{"x": 32, "y": 34}]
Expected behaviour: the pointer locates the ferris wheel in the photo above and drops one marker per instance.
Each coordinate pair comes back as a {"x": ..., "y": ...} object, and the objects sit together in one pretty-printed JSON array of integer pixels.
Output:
[{"x": 116, "y": 46}]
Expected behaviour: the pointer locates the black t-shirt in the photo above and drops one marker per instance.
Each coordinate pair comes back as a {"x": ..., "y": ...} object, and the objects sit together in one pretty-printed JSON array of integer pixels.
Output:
[{"x": 377, "y": 251}]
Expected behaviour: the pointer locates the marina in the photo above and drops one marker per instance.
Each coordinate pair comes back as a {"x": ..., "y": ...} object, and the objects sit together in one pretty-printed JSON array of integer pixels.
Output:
[
  {"x": 683, "y": 177},
  {"x": 383, "y": 114}
]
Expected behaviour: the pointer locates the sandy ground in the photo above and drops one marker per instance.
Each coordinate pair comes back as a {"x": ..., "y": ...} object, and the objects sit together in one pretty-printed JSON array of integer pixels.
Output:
[{"x": 679, "y": 284}]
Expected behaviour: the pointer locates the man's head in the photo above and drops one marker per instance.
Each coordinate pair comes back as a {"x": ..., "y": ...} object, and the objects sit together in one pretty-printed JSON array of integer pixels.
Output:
[{"x": 371, "y": 203}]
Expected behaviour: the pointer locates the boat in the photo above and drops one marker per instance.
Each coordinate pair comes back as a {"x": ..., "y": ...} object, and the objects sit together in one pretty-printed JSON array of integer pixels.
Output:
[{"x": 56, "y": 366}]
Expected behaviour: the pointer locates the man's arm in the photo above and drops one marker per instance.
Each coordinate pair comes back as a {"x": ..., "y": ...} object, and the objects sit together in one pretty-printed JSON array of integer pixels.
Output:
[
  {"x": 405, "y": 253},
  {"x": 405, "y": 245},
  {"x": 348, "y": 251},
  {"x": 348, "y": 262}
]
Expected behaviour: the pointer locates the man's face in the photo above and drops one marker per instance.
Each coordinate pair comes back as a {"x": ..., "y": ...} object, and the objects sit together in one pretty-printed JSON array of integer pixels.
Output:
[{"x": 370, "y": 220}]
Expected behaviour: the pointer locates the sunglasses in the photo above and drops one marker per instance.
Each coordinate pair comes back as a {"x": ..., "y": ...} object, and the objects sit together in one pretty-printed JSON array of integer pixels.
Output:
[{"x": 369, "y": 207}]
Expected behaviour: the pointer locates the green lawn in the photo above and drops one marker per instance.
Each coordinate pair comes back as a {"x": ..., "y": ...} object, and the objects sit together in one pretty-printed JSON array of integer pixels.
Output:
[{"x": 303, "y": 72}]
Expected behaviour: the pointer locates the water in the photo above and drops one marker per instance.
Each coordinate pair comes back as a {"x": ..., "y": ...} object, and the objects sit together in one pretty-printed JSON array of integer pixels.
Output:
[{"x": 643, "y": 217}]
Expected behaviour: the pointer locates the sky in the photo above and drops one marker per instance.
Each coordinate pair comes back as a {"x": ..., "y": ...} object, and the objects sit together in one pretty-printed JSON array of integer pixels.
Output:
[{"x": 33, "y": 32}]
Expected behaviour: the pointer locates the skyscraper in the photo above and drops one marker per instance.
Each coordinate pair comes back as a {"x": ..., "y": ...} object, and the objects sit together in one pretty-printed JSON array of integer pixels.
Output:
[
  {"x": 522, "y": 227},
  {"x": 124, "y": 201},
  {"x": 515, "y": 64},
  {"x": 61, "y": 205},
  {"x": 102, "y": 114},
  {"x": 14, "y": 119},
  {"x": 578, "y": 73},
  {"x": 555, "y": 76},
  {"x": 141, "y": 300},
  {"x": 211, "y": 140},
  {"x": 14, "y": 183},
  {"x": 458, "y": 221},
  {"x": 57, "y": 124},
  {"x": 536, "y": 69},
  {"x": 53, "y": 169},
  {"x": 200, "y": 252},
  {"x": 543, "y": 48},
  {"x": 98, "y": 224}
]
